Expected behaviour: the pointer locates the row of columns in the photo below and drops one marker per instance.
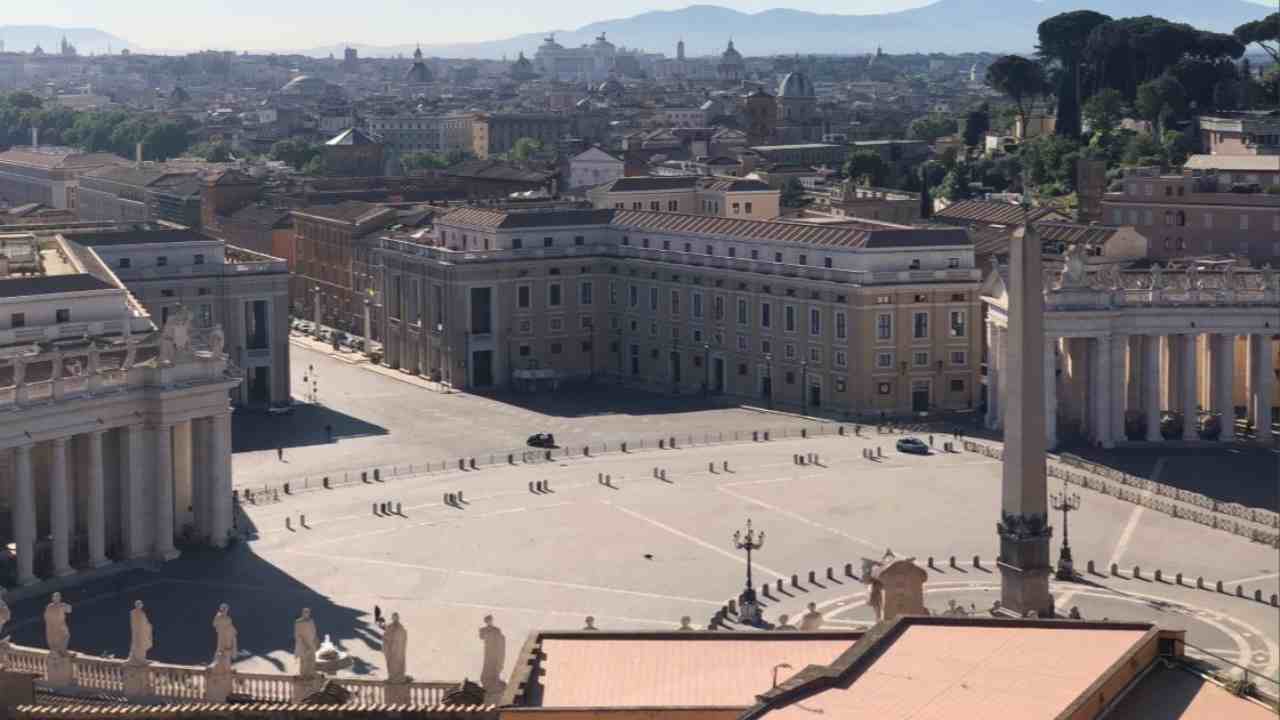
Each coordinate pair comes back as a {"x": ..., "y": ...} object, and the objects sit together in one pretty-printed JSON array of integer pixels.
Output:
[
  {"x": 146, "y": 484},
  {"x": 1109, "y": 375}
]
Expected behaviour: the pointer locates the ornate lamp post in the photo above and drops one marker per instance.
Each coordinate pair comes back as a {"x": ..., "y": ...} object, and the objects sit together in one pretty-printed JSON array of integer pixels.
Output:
[
  {"x": 706, "y": 369},
  {"x": 768, "y": 373},
  {"x": 804, "y": 387},
  {"x": 1067, "y": 504},
  {"x": 749, "y": 608}
]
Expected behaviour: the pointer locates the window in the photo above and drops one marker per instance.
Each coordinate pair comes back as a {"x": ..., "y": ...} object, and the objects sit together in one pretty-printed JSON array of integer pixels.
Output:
[
  {"x": 633, "y": 296},
  {"x": 675, "y": 302},
  {"x": 675, "y": 332},
  {"x": 584, "y": 322},
  {"x": 733, "y": 251},
  {"x": 166, "y": 293},
  {"x": 957, "y": 325},
  {"x": 555, "y": 324},
  {"x": 637, "y": 206},
  {"x": 914, "y": 264},
  {"x": 737, "y": 208},
  {"x": 62, "y": 315},
  {"x": 826, "y": 262},
  {"x": 697, "y": 304},
  {"x": 742, "y": 368},
  {"x": 804, "y": 259},
  {"x": 884, "y": 388},
  {"x": 789, "y": 318},
  {"x": 790, "y": 377},
  {"x": 579, "y": 240},
  {"x": 884, "y": 326},
  {"x": 842, "y": 327},
  {"x": 815, "y": 321},
  {"x": 17, "y": 320},
  {"x": 840, "y": 385},
  {"x": 654, "y": 205},
  {"x": 842, "y": 358},
  {"x": 688, "y": 247},
  {"x": 742, "y": 343},
  {"x": 553, "y": 294},
  {"x": 517, "y": 243},
  {"x": 766, "y": 314},
  {"x": 777, "y": 257},
  {"x": 953, "y": 263},
  {"x": 666, "y": 244},
  {"x": 161, "y": 261},
  {"x": 920, "y": 325},
  {"x": 815, "y": 355},
  {"x": 625, "y": 239},
  {"x": 717, "y": 308},
  {"x": 644, "y": 242},
  {"x": 884, "y": 360},
  {"x": 548, "y": 242},
  {"x": 556, "y": 348},
  {"x": 673, "y": 205},
  {"x": 748, "y": 207},
  {"x": 653, "y": 329},
  {"x": 920, "y": 358},
  {"x": 586, "y": 293},
  {"x": 124, "y": 263},
  {"x": 710, "y": 250},
  {"x": 789, "y": 351},
  {"x": 613, "y": 293},
  {"x": 526, "y": 327},
  {"x": 525, "y": 350},
  {"x": 957, "y": 385},
  {"x": 743, "y": 314},
  {"x": 523, "y": 297},
  {"x": 958, "y": 357},
  {"x": 199, "y": 259},
  {"x": 884, "y": 299},
  {"x": 653, "y": 299}
]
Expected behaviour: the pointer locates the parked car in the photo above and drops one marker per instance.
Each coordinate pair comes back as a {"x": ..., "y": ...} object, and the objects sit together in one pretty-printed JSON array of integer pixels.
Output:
[
  {"x": 542, "y": 440},
  {"x": 912, "y": 445}
]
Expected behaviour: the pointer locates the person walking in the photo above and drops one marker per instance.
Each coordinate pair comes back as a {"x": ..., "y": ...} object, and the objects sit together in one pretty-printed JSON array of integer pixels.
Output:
[
  {"x": 377, "y": 615},
  {"x": 280, "y": 453}
]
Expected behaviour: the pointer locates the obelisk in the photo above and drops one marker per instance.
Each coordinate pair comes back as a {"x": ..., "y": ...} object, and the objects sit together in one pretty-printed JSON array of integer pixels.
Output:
[{"x": 1023, "y": 528}]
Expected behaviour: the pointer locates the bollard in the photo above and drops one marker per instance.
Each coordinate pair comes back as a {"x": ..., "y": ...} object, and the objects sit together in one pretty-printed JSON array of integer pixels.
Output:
[
  {"x": 813, "y": 578},
  {"x": 586, "y": 451},
  {"x": 473, "y": 463},
  {"x": 725, "y": 466},
  {"x": 733, "y": 606},
  {"x": 711, "y": 467},
  {"x": 779, "y": 584},
  {"x": 286, "y": 488},
  {"x": 804, "y": 432},
  {"x": 1219, "y": 586},
  {"x": 766, "y": 436},
  {"x": 1240, "y": 591},
  {"x": 375, "y": 508},
  {"x": 662, "y": 444},
  {"x": 608, "y": 480},
  {"x": 530, "y": 486},
  {"x": 1159, "y": 576},
  {"x": 326, "y": 482},
  {"x": 1091, "y": 570},
  {"x": 398, "y": 509},
  {"x": 600, "y": 478},
  {"x": 1178, "y": 578},
  {"x": 1200, "y": 583},
  {"x": 879, "y": 451},
  {"x": 624, "y": 447},
  {"x": 977, "y": 561},
  {"x": 1275, "y": 600},
  {"x": 664, "y": 473},
  {"x": 655, "y": 471},
  {"x": 546, "y": 485},
  {"x": 383, "y": 507},
  {"x": 288, "y": 523},
  {"x": 377, "y": 475},
  {"x": 840, "y": 430},
  {"x": 511, "y": 458},
  {"x": 1137, "y": 573},
  {"x": 1115, "y": 569},
  {"x": 764, "y": 591},
  {"x": 460, "y": 497},
  {"x": 848, "y": 569},
  {"x": 1257, "y": 595},
  {"x": 831, "y": 573},
  {"x": 953, "y": 562},
  {"x": 462, "y": 464},
  {"x": 795, "y": 581},
  {"x": 673, "y": 442},
  {"x": 364, "y": 476},
  {"x": 931, "y": 563},
  {"x": 755, "y": 436}
]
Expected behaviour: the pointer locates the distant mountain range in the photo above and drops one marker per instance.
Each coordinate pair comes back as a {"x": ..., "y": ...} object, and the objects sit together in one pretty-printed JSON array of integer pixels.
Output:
[
  {"x": 949, "y": 26},
  {"x": 24, "y": 38}
]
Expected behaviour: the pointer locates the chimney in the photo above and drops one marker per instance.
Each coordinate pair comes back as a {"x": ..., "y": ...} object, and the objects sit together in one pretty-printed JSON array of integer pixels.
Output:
[
  {"x": 35, "y": 138},
  {"x": 137, "y": 154}
]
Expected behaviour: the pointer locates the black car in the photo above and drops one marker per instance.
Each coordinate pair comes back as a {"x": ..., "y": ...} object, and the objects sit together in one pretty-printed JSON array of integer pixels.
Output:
[
  {"x": 912, "y": 445},
  {"x": 542, "y": 440}
]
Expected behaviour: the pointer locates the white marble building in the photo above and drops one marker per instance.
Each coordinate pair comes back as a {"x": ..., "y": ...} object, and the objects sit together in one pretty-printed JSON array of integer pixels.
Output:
[
  {"x": 115, "y": 437},
  {"x": 1131, "y": 344}
]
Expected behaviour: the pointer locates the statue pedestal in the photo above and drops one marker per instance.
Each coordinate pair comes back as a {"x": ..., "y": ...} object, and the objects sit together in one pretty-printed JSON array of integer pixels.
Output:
[
  {"x": 137, "y": 679},
  {"x": 219, "y": 682},
  {"x": 398, "y": 691},
  {"x": 304, "y": 685},
  {"x": 61, "y": 670}
]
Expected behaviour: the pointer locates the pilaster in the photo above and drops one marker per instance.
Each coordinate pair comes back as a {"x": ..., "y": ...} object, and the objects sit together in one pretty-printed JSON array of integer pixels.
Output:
[
  {"x": 24, "y": 514},
  {"x": 96, "y": 520},
  {"x": 60, "y": 508}
]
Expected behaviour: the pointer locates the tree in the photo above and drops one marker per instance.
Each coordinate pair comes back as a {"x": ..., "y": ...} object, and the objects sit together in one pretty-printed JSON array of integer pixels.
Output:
[
  {"x": 423, "y": 161},
  {"x": 1160, "y": 100},
  {"x": 294, "y": 152},
  {"x": 931, "y": 127},
  {"x": 1262, "y": 33},
  {"x": 164, "y": 140},
  {"x": 955, "y": 186},
  {"x": 1104, "y": 110},
  {"x": 1021, "y": 79},
  {"x": 212, "y": 151},
  {"x": 866, "y": 167},
  {"x": 792, "y": 193},
  {"x": 23, "y": 100},
  {"x": 525, "y": 148},
  {"x": 976, "y": 125},
  {"x": 1063, "y": 38}
]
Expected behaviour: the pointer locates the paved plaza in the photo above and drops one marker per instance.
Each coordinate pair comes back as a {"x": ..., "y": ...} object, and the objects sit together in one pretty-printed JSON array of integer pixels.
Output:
[{"x": 643, "y": 552}]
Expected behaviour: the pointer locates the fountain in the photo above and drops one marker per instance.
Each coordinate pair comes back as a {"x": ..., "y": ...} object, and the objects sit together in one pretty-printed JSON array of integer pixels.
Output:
[{"x": 330, "y": 659}]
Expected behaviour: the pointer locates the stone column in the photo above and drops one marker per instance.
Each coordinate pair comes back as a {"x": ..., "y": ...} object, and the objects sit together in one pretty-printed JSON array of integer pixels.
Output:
[
  {"x": 132, "y": 500},
  {"x": 1134, "y": 380},
  {"x": 1190, "y": 416},
  {"x": 1023, "y": 528},
  {"x": 1173, "y": 376},
  {"x": 1151, "y": 385},
  {"x": 1002, "y": 380},
  {"x": 163, "y": 492},
  {"x": 1050, "y": 393},
  {"x": 96, "y": 520},
  {"x": 219, "y": 459},
  {"x": 1264, "y": 393},
  {"x": 1102, "y": 390},
  {"x": 60, "y": 508},
  {"x": 993, "y": 376},
  {"x": 1119, "y": 374},
  {"x": 24, "y": 514},
  {"x": 1224, "y": 371}
]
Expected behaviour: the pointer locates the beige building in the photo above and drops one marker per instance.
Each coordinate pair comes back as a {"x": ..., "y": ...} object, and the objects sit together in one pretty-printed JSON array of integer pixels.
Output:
[
  {"x": 47, "y": 174},
  {"x": 721, "y": 197},
  {"x": 856, "y": 318}
]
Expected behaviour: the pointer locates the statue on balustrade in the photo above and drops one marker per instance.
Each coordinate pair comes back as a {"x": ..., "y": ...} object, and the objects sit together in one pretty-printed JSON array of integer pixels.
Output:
[
  {"x": 1073, "y": 275},
  {"x": 217, "y": 341},
  {"x": 1229, "y": 276},
  {"x": 140, "y": 634},
  {"x": 175, "y": 337},
  {"x": 1193, "y": 275},
  {"x": 56, "y": 633},
  {"x": 1157, "y": 276},
  {"x": 306, "y": 642},
  {"x": 4, "y": 615},
  {"x": 395, "y": 641},
  {"x": 225, "y": 630},
  {"x": 1269, "y": 278}
]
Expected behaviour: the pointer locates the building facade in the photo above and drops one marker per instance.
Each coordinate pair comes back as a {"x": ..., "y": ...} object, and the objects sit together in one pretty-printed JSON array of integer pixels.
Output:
[
  {"x": 721, "y": 197},
  {"x": 116, "y": 440},
  {"x": 47, "y": 174},
  {"x": 853, "y": 319},
  {"x": 332, "y": 263},
  {"x": 130, "y": 193}
]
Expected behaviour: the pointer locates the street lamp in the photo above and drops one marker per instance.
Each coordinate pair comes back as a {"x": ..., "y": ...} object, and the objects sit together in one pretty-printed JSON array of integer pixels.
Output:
[
  {"x": 589, "y": 326},
  {"x": 749, "y": 608},
  {"x": 1067, "y": 504},
  {"x": 804, "y": 387},
  {"x": 316, "y": 295},
  {"x": 706, "y": 369},
  {"x": 768, "y": 374}
]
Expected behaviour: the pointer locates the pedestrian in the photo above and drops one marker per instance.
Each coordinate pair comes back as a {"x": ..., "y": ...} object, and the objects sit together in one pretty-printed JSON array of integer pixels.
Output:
[
  {"x": 377, "y": 615},
  {"x": 280, "y": 453},
  {"x": 328, "y": 431},
  {"x": 930, "y": 439}
]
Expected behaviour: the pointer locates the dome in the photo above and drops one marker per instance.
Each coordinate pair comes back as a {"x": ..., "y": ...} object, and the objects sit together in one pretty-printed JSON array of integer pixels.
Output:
[
  {"x": 549, "y": 43},
  {"x": 730, "y": 53},
  {"x": 602, "y": 43},
  {"x": 795, "y": 85},
  {"x": 418, "y": 74},
  {"x": 305, "y": 85},
  {"x": 611, "y": 87}
]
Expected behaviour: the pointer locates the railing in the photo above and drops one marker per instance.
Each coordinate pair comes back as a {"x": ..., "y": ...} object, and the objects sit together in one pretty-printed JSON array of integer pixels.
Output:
[
  {"x": 24, "y": 659},
  {"x": 99, "y": 674},
  {"x": 265, "y": 687},
  {"x": 429, "y": 693}
]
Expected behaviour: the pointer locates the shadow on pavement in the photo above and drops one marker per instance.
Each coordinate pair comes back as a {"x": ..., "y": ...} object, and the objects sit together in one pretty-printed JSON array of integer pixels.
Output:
[{"x": 303, "y": 427}]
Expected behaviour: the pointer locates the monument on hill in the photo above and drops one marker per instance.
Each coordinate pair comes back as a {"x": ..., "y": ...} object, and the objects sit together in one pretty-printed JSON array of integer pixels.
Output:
[{"x": 1024, "y": 529}]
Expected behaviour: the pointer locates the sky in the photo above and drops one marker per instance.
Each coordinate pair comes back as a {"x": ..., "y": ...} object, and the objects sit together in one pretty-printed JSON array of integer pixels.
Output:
[{"x": 293, "y": 24}]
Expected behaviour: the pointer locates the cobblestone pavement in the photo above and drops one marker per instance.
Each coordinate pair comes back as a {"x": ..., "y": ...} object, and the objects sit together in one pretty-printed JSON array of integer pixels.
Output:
[{"x": 641, "y": 552}]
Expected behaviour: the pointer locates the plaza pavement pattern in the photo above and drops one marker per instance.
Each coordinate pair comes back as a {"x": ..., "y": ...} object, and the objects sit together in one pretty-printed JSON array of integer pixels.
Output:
[{"x": 642, "y": 552}]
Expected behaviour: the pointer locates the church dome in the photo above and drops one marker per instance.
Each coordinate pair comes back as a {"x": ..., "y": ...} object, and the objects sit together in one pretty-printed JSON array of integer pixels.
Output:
[
  {"x": 730, "y": 53},
  {"x": 795, "y": 85}
]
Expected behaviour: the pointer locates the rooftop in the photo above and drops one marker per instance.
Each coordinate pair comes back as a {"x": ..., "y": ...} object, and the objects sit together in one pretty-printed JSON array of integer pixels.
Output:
[
  {"x": 853, "y": 235},
  {"x": 991, "y": 212},
  {"x": 649, "y": 183},
  {"x": 50, "y": 285},
  {"x": 1234, "y": 163},
  {"x": 348, "y": 211},
  {"x": 58, "y": 158},
  {"x": 485, "y": 217},
  {"x": 140, "y": 237}
]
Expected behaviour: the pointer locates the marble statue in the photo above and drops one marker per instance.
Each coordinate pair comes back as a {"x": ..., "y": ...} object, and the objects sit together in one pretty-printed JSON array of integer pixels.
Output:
[
  {"x": 590, "y": 623},
  {"x": 175, "y": 336},
  {"x": 1073, "y": 275},
  {"x": 395, "y": 641},
  {"x": 1269, "y": 277},
  {"x": 495, "y": 656},
  {"x": 56, "y": 633},
  {"x": 1157, "y": 276},
  {"x": 225, "y": 630},
  {"x": 217, "y": 341},
  {"x": 684, "y": 623},
  {"x": 140, "y": 634},
  {"x": 811, "y": 620},
  {"x": 1229, "y": 276},
  {"x": 306, "y": 641},
  {"x": 1193, "y": 276},
  {"x": 4, "y": 614},
  {"x": 784, "y": 623}
]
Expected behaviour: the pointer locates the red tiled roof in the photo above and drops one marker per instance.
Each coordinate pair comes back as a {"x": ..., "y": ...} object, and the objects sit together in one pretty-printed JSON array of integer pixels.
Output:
[{"x": 990, "y": 212}]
